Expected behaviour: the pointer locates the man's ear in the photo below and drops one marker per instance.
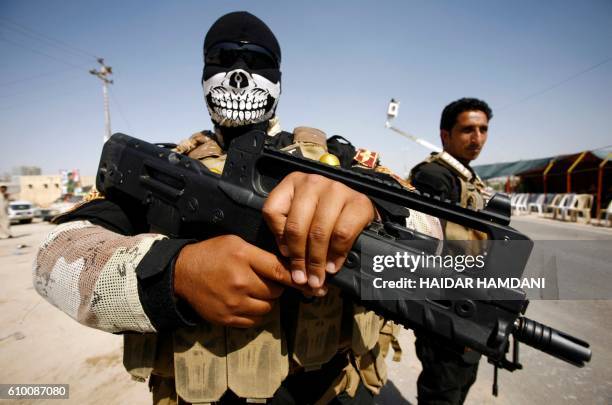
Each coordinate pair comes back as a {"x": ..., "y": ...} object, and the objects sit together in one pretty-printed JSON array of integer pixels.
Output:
[{"x": 444, "y": 137}]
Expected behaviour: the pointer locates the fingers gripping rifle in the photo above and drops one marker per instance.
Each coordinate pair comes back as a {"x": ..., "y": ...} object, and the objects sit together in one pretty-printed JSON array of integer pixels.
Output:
[{"x": 183, "y": 199}]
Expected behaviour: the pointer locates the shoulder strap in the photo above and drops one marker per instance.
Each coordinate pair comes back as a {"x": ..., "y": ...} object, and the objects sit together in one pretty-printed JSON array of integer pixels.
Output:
[{"x": 452, "y": 163}]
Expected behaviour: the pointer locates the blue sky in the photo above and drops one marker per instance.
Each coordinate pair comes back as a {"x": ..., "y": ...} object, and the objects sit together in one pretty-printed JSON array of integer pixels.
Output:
[{"x": 538, "y": 64}]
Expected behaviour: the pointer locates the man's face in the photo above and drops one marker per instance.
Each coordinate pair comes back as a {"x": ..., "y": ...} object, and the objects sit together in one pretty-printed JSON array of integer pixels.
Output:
[
  {"x": 241, "y": 84},
  {"x": 468, "y": 136}
]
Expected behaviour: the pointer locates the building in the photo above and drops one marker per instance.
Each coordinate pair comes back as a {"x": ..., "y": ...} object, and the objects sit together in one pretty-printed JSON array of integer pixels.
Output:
[
  {"x": 42, "y": 190},
  {"x": 586, "y": 172}
]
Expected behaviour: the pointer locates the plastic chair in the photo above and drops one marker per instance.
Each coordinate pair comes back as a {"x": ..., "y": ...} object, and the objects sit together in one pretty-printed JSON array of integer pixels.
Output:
[
  {"x": 521, "y": 204},
  {"x": 566, "y": 203},
  {"x": 539, "y": 202},
  {"x": 581, "y": 207},
  {"x": 513, "y": 200},
  {"x": 607, "y": 214},
  {"x": 554, "y": 204}
]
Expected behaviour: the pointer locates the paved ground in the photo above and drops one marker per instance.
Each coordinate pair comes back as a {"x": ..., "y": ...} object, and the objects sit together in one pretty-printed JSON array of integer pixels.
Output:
[
  {"x": 544, "y": 380},
  {"x": 39, "y": 344}
]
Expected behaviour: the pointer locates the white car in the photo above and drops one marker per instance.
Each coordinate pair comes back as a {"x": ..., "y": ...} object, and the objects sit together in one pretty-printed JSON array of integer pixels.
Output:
[
  {"x": 59, "y": 206},
  {"x": 21, "y": 212}
]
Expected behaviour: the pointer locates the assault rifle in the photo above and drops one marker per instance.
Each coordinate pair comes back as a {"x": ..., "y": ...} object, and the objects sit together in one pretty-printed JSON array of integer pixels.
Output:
[{"x": 182, "y": 198}]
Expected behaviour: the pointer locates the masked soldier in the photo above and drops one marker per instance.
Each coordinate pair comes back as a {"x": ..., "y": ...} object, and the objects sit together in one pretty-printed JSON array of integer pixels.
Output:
[
  {"x": 449, "y": 372},
  {"x": 221, "y": 320}
]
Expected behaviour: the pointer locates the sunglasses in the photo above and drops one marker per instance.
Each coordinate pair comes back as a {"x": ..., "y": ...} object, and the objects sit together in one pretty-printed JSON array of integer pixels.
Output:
[{"x": 226, "y": 54}]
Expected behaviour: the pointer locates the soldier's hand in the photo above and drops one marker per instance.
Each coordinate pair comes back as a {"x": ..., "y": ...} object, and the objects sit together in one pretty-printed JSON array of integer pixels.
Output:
[
  {"x": 316, "y": 221},
  {"x": 230, "y": 282}
]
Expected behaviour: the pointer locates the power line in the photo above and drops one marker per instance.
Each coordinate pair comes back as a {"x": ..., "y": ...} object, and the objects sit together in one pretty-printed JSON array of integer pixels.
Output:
[
  {"x": 38, "y": 100},
  {"x": 43, "y": 41},
  {"x": 554, "y": 86},
  {"x": 50, "y": 83},
  {"x": 31, "y": 89},
  {"x": 42, "y": 53},
  {"x": 24, "y": 30},
  {"x": 38, "y": 76},
  {"x": 120, "y": 109},
  {"x": 602, "y": 147}
]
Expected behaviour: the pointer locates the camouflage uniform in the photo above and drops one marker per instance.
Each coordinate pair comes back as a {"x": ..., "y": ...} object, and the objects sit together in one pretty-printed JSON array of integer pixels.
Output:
[{"x": 96, "y": 267}]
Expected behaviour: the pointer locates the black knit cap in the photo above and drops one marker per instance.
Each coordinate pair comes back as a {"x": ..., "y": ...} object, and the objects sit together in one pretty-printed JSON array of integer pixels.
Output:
[{"x": 241, "y": 26}]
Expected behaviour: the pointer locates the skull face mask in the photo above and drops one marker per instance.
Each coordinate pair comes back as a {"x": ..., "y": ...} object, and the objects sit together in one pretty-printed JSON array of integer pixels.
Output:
[
  {"x": 241, "y": 78},
  {"x": 238, "y": 97}
]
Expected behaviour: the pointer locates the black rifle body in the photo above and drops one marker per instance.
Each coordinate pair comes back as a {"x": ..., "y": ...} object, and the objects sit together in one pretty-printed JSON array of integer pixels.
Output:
[{"x": 182, "y": 198}]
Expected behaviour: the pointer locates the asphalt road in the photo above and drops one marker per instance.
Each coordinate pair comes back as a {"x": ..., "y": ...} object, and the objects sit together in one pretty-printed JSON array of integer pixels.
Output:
[
  {"x": 545, "y": 380},
  {"x": 41, "y": 345}
]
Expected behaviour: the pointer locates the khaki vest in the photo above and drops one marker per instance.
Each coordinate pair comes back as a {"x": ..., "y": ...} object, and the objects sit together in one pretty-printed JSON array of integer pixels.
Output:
[
  {"x": 472, "y": 195},
  {"x": 207, "y": 360}
]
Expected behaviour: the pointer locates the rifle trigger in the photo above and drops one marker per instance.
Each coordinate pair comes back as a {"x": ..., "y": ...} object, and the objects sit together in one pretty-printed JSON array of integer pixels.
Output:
[{"x": 398, "y": 231}]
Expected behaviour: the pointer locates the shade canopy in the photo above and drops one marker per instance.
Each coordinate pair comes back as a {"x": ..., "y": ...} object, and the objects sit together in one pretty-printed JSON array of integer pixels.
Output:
[{"x": 510, "y": 168}]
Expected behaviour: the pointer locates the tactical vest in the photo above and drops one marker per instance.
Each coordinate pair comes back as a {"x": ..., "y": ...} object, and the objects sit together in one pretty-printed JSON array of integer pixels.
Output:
[
  {"x": 207, "y": 360},
  {"x": 472, "y": 195}
]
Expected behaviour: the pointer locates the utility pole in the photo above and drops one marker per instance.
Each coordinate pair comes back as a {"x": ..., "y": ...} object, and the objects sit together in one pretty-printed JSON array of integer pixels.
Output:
[
  {"x": 104, "y": 74},
  {"x": 392, "y": 111}
]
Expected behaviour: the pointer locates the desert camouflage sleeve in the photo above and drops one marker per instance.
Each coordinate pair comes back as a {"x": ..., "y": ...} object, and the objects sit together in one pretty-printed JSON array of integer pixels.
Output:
[
  {"x": 89, "y": 273},
  {"x": 425, "y": 224},
  {"x": 418, "y": 221}
]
